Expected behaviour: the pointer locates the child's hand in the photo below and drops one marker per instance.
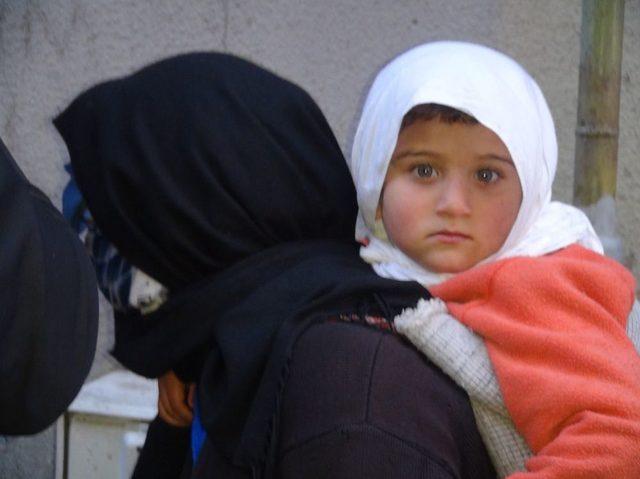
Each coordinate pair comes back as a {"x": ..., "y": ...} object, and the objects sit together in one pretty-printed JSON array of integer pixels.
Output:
[{"x": 175, "y": 400}]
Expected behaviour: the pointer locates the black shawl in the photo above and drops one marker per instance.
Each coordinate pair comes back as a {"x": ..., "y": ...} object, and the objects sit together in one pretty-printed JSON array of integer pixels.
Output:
[
  {"x": 225, "y": 183},
  {"x": 48, "y": 306}
]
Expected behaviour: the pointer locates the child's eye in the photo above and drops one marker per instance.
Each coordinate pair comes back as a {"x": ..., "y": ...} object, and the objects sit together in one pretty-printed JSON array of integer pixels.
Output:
[
  {"x": 487, "y": 176},
  {"x": 424, "y": 171}
]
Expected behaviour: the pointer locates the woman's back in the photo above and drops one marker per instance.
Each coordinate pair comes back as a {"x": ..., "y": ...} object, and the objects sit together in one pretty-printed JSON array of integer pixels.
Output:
[{"x": 360, "y": 401}]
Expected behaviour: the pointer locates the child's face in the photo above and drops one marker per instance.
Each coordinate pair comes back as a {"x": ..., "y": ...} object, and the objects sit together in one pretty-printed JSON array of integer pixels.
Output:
[{"x": 451, "y": 194}]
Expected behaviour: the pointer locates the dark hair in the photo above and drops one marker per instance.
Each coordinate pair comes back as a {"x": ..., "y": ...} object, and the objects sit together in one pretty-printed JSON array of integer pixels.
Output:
[{"x": 434, "y": 111}]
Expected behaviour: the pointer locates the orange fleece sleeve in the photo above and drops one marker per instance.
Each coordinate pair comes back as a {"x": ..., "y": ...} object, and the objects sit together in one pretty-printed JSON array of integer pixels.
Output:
[{"x": 554, "y": 327}]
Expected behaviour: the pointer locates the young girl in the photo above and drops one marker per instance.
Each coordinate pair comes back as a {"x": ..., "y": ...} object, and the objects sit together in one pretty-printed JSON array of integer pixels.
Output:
[{"x": 453, "y": 162}]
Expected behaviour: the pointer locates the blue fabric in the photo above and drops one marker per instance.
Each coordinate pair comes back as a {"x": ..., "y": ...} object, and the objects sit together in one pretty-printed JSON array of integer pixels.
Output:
[
  {"x": 198, "y": 434},
  {"x": 73, "y": 207},
  {"x": 113, "y": 272}
]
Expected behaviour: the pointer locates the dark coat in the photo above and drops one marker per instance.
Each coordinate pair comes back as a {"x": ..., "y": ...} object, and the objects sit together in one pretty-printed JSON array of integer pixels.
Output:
[
  {"x": 48, "y": 307},
  {"x": 363, "y": 403}
]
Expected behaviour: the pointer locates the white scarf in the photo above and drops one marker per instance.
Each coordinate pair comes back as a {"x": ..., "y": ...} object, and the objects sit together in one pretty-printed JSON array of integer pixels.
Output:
[{"x": 502, "y": 96}]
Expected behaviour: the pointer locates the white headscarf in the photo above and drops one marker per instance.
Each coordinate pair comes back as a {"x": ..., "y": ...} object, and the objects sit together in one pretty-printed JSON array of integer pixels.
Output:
[{"x": 502, "y": 96}]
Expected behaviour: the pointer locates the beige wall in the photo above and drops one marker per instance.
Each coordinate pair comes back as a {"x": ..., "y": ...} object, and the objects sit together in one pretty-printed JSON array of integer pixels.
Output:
[{"x": 50, "y": 50}]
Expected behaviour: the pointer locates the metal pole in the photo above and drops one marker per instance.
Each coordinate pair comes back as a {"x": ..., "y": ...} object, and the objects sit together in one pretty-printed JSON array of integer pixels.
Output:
[{"x": 598, "y": 110}]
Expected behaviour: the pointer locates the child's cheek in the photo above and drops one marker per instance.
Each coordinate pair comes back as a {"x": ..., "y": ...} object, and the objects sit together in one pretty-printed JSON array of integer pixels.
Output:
[
  {"x": 505, "y": 220},
  {"x": 402, "y": 213}
]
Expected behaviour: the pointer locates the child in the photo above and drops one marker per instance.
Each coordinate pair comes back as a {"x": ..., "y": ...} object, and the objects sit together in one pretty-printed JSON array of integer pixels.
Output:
[{"x": 453, "y": 162}]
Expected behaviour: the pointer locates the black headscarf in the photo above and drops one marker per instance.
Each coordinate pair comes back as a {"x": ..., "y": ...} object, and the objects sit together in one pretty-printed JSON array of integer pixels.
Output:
[
  {"x": 194, "y": 163},
  {"x": 225, "y": 183},
  {"x": 48, "y": 306}
]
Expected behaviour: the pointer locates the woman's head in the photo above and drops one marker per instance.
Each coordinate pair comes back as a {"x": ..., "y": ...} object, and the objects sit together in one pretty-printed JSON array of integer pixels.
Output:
[
  {"x": 480, "y": 85},
  {"x": 198, "y": 161}
]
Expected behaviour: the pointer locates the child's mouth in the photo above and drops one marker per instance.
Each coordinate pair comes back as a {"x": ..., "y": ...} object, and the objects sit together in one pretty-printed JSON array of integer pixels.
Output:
[{"x": 449, "y": 237}]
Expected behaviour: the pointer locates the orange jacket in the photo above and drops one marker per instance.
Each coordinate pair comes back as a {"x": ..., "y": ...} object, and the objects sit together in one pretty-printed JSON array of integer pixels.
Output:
[{"x": 554, "y": 327}]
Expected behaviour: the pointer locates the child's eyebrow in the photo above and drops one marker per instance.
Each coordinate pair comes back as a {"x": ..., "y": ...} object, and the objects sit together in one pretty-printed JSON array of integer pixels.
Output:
[
  {"x": 433, "y": 154},
  {"x": 407, "y": 153},
  {"x": 493, "y": 156}
]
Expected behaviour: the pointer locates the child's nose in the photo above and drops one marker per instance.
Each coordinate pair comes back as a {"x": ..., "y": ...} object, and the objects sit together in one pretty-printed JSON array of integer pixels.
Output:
[{"x": 453, "y": 199}]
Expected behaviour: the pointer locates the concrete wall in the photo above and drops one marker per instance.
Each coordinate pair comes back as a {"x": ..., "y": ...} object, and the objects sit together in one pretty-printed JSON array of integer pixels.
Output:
[{"x": 50, "y": 50}]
